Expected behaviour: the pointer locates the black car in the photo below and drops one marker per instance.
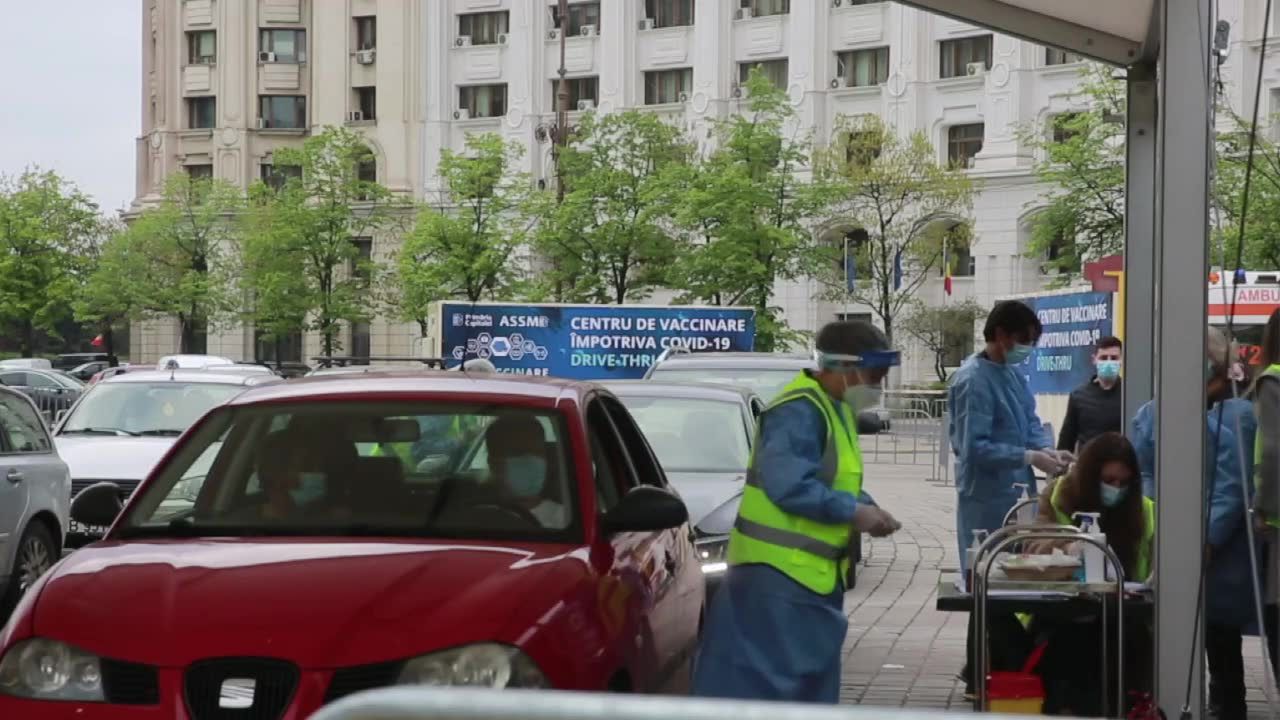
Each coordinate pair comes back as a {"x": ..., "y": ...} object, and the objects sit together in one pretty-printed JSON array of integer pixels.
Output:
[
  {"x": 69, "y": 361},
  {"x": 52, "y": 391},
  {"x": 765, "y": 374},
  {"x": 87, "y": 370}
]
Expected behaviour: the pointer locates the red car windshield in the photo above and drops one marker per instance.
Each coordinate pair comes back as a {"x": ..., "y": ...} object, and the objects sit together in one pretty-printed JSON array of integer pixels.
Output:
[{"x": 378, "y": 469}]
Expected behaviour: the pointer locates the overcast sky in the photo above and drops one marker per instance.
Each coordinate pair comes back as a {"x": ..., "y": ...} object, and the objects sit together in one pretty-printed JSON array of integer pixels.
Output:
[{"x": 69, "y": 92}]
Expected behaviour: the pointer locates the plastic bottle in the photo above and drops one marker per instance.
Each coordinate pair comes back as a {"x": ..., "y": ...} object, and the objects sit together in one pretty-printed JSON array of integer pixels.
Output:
[
  {"x": 971, "y": 556},
  {"x": 1095, "y": 561},
  {"x": 1026, "y": 514}
]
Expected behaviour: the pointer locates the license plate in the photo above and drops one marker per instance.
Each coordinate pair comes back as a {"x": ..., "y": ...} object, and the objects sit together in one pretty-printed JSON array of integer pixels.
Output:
[{"x": 89, "y": 530}]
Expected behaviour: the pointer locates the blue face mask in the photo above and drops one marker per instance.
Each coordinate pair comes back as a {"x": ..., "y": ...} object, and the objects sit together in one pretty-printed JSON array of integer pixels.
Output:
[
  {"x": 1112, "y": 495},
  {"x": 526, "y": 475},
  {"x": 1018, "y": 354},
  {"x": 1108, "y": 369},
  {"x": 311, "y": 487}
]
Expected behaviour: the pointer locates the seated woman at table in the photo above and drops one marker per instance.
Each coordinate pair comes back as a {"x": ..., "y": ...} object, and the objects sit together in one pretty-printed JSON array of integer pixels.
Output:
[{"x": 1105, "y": 479}]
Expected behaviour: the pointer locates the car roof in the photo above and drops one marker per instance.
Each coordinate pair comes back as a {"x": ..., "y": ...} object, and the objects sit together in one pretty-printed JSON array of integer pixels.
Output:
[
  {"x": 207, "y": 377},
  {"x": 366, "y": 369},
  {"x": 430, "y": 382},
  {"x": 658, "y": 388},
  {"x": 738, "y": 360}
]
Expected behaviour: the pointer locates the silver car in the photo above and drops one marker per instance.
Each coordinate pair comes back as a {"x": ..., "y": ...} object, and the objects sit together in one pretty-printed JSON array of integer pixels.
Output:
[
  {"x": 123, "y": 425},
  {"x": 35, "y": 498}
]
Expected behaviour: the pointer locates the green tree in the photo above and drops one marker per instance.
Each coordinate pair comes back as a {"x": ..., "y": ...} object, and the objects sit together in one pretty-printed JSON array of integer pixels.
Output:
[
  {"x": 1262, "y": 229},
  {"x": 177, "y": 258},
  {"x": 907, "y": 205},
  {"x": 745, "y": 210},
  {"x": 1082, "y": 166},
  {"x": 46, "y": 227},
  {"x": 944, "y": 331},
  {"x": 464, "y": 247},
  {"x": 99, "y": 303},
  {"x": 302, "y": 264},
  {"x": 609, "y": 240}
]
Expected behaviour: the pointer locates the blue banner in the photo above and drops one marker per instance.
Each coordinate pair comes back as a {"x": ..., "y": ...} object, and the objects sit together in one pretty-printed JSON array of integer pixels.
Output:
[
  {"x": 587, "y": 342},
  {"x": 1073, "y": 323}
]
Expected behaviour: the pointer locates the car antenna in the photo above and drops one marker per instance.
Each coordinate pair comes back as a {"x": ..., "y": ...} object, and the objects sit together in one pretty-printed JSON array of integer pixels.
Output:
[{"x": 172, "y": 367}]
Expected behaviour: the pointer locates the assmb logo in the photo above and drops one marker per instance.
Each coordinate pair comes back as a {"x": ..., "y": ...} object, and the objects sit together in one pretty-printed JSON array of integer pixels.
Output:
[{"x": 459, "y": 320}]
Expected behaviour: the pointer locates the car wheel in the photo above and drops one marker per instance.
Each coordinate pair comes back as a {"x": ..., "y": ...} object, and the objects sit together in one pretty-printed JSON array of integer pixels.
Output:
[{"x": 37, "y": 552}]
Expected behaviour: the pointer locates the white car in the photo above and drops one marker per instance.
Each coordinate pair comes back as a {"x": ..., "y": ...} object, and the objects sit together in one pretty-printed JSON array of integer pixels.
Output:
[
  {"x": 35, "y": 499},
  {"x": 193, "y": 362},
  {"x": 122, "y": 426}
]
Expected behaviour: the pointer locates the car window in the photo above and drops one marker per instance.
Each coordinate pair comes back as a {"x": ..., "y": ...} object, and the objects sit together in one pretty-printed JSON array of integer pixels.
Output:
[
  {"x": 42, "y": 381},
  {"x": 692, "y": 434},
  {"x": 307, "y": 469},
  {"x": 13, "y": 379},
  {"x": 480, "y": 457},
  {"x": 614, "y": 477},
  {"x": 765, "y": 382},
  {"x": 146, "y": 408},
  {"x": 23, "y": 429},
  {"x": 648, "y": 472}
]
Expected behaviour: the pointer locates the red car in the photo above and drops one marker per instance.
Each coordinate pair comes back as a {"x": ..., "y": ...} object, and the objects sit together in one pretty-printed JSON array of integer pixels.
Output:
[{"x": 313, "y": 539}]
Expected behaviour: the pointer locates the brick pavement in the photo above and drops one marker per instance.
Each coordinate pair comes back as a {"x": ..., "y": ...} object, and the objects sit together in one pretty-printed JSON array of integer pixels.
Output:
[{"x": 900, "y": 651}]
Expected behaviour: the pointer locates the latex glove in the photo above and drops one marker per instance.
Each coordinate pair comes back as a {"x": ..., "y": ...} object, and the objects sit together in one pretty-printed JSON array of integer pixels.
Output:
[
  {"x": 1066, "y": 457},
  {"x": 872, "y": 520},
  {"x": 1045, "y": 461}
]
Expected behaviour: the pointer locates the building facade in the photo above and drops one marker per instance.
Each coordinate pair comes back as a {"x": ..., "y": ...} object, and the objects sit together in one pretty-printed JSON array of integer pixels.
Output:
[{"x": 227, "y": 81}]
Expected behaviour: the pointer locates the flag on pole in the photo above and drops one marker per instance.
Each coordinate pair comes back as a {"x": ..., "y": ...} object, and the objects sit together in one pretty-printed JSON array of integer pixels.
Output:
[
  {"x": 897, "y": 269},
  {"x": 850, "y": 267},
  {"x": 946, "y": 269}
]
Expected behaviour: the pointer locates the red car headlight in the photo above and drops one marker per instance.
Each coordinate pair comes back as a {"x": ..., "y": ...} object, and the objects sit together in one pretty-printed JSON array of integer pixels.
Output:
[
  {"x": 482, "y": 665},
  {"x": 43, "y": 669}
]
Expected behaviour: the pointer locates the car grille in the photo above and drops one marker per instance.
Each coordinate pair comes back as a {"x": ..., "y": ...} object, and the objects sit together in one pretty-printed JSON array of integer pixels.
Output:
[
  {"x": 274, "y": 683},
  {"x": 126, "y": 683},
  {"x": 348, "y": 681},
  {"x": 126, "y": 486}
]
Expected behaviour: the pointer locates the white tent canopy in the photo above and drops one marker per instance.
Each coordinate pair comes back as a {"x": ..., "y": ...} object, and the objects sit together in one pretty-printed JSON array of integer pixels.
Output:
[{"x": 1164, "y": 44}]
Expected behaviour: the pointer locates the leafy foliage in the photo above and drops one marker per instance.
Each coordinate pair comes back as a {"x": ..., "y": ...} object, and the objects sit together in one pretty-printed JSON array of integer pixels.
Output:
[
  {"x": 608, "y": 241},
  {"x": 46, "y": 229},
  {"x": 907, "y": 204},
  {"x": 945, "y": 331},
  {"x": 465, "y": 247}
]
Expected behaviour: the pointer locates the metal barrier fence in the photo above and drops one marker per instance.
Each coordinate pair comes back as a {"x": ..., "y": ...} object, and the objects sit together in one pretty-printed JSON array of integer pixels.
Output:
[
  {"x": 409, "y": 703},
  {"x": 916, "y": 434},
  {"x": 50, "y": 405}
]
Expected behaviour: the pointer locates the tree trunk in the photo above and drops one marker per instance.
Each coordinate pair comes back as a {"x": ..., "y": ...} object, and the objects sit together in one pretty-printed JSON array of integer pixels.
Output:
[
  {"x": 28, "y": 338},
  {"x": 186, "y": 334},
  {"x": 109, "y": 341}
]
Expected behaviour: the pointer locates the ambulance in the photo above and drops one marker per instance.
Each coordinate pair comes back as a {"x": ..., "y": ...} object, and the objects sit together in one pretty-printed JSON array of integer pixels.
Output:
[{"x": 1254, "y": 300}]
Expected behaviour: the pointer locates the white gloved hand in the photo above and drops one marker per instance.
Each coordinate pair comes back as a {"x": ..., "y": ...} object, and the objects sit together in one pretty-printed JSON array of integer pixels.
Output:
[
  {"x": 1045, "y": 461},
  {"x": 1066, "y": 457},
  {"x": 873, "y": 521}
]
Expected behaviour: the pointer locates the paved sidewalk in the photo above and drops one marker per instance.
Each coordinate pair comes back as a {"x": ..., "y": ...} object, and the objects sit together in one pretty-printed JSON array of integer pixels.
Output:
[{"x": 900, "y": 652}]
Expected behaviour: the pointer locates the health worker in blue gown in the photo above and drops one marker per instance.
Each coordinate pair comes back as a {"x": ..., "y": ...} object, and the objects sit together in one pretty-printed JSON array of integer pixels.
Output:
[
  {"x": 995, "y": 433},
  {"x": 776, "y": 626}
]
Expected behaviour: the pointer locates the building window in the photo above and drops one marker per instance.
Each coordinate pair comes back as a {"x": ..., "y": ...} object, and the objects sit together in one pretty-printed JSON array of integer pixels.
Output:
[
  {"x": 957, "y": 55},
  {"x": 283, "y": 46},
  {"x": 287, "y": 112},
  {"x": 367, "y": 170},
  {"x": 366, "y": 101},
  {"x": 964, "y": 142},
  {"x": 202, "y": 171},
  {"x": 366, "y": 32},
  {"x": 669, "y": 13},
  {"x": 580, "y": 89},
  {"x": 361, "y": 270},
  {"x": 1061, "y": 132},
  {"x": 483, "y": 101},
  {"x": 483, "y": 28},
  {"x": 1061, "y": 256},
  {"x": 1055, "y": 56},
  {"x": 761, "y": 8},
  {"x": 202, "y": 113},
  {"x": 774, "y": 70},
  {"x": 202, "y": 47},
  {"x": 580, "y": 15},
  {"x": 863, "y": 68},
  {"x": 666, "y": 86},
  {"x": 276, "y": 176},
  {"x": 862, "y": 147},
  {"x": 286, "y": 347}
]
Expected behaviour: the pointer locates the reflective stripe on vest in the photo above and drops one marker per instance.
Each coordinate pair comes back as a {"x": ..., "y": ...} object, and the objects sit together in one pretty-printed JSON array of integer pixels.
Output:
[
  {"x": 813, "y": 554},
  {"x": 1274, "y": 372},
  {"x": 1142, "y": 563}
]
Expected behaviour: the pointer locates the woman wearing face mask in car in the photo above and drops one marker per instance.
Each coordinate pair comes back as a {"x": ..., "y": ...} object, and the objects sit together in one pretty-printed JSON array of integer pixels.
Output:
[{"x": 518, "y": 459}]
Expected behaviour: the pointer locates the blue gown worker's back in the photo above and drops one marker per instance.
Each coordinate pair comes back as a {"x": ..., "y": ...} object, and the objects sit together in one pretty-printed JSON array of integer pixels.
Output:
[{"x": 993, "y": 423}]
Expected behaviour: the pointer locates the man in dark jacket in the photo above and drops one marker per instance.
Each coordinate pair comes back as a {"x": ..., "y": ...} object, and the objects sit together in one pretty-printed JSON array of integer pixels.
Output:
[{"x": 1094, "y": 408}]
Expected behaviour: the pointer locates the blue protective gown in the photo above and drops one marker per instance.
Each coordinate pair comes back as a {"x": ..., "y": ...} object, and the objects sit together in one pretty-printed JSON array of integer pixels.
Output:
[
  {"x": 1229, "y": 581},
  {"x": 993, "y": 424},
  {"x": 768, "y": 637}
]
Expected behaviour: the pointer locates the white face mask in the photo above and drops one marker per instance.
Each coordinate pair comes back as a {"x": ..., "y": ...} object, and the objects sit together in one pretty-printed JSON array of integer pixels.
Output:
[{"x": 860, "y": 397}]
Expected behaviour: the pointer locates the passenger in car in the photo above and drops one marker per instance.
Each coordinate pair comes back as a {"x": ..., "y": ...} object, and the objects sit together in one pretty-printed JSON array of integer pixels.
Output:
[
  {"x": 281, "y": 461},
  {"x": 518, "y": 460}
]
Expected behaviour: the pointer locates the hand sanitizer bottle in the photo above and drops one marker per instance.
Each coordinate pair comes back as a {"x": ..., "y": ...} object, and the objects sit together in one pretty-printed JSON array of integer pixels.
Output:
[
  {"x": 1095, "y": 561},
  {"x": 1026, "y": 514},
  {"x": 971, "y": 556}
]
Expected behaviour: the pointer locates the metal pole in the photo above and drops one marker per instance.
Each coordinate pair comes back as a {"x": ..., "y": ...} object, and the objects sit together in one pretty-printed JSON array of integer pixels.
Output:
[
  {"x": 1180, "y": 250},
  {"x": 562, "y": 101},
  {"x": 1139, "y": 231}
]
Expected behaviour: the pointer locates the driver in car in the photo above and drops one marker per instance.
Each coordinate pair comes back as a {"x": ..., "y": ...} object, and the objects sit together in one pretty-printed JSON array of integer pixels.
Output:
[
  {"x": 282, "y": 460},
  {"x": 518, "y": 461}
]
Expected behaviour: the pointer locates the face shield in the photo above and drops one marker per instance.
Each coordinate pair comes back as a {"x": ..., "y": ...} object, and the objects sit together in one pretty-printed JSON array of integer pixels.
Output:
[{"x": 862, "y": 374}]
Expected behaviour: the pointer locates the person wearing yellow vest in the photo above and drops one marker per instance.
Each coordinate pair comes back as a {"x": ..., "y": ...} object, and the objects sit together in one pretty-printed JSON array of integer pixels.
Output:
[
  {"x": 776, "y": 626},
  {"x": 1266, "y": 469},
  {"x": 1106, "y": 479}
]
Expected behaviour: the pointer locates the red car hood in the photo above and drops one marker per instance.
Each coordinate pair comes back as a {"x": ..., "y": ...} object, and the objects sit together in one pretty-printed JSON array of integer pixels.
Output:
[{"x": 320, "y": 603}]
